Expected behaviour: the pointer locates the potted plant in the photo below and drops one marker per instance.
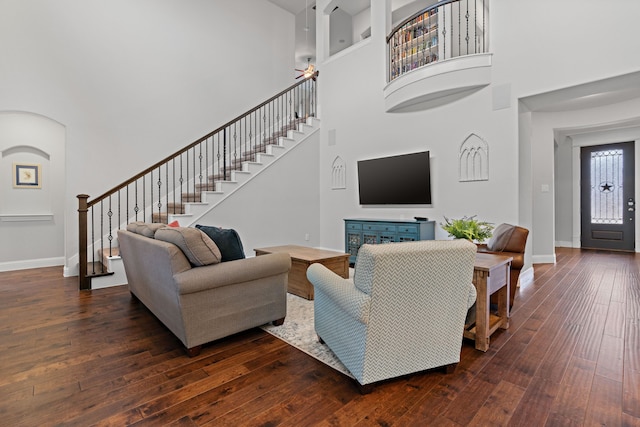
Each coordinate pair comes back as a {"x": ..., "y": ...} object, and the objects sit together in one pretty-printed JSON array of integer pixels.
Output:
[{"x": 468, "y": 228}]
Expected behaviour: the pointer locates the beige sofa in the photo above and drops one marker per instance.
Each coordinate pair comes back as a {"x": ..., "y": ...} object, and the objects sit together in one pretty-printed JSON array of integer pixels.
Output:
[{"x": 204, "y": 303}]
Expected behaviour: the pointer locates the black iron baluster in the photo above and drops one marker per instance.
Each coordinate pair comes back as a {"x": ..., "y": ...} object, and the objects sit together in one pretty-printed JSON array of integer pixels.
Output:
[
  {"x": 466, "y": 15},
  {"x": 101, "y": 234},
  {"x": 93, "y": 240},
  {"x": 136, "y": 208},
  {"x": 144, "y": 198},
  {"x": 264, "y": 127},
  {"x": 159, "y": 183},
  {"x": 173, "y": 181},
  {"x": 235, "y": 149},
  {"x": 151, "y": 194},
  {"x": 110, "y": 235},
  {"x": 444, "y": 32},
  {"x": 206, "y": 162},
  {"x": 166, "y": 189},
  {"x": 224, "y": 154},
  {"x": 201, "y": 175}
]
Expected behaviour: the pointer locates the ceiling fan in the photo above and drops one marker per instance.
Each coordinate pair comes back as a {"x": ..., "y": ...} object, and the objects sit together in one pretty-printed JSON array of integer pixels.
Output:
[{"x": 308, "y": 72}]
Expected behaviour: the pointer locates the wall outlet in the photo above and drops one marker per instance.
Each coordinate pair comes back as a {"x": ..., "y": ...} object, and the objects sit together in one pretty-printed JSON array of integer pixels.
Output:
[{"x": 306, "y": 237}]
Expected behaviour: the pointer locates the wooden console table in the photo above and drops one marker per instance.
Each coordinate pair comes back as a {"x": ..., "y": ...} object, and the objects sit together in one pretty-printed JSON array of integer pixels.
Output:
[
  {"x": 491, "y": 275},
  {"x": 301, "y": 258}
]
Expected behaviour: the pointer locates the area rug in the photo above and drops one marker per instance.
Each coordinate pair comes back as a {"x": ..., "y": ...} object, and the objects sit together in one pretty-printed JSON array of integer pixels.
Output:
[{"x": 299, "y": 332}]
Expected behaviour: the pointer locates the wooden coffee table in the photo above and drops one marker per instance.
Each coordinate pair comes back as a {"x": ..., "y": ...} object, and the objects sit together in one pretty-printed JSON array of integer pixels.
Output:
[
  {"x": 301, "y": 258},
  {"x": 491, "y": 275}
]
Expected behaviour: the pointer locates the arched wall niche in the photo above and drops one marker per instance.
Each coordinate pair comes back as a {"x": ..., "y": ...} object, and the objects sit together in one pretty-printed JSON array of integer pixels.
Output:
[
  {"x": 474, "y": 159},
  {"x": 32, "y": 218},
  {"x": 338, "y": 174}
]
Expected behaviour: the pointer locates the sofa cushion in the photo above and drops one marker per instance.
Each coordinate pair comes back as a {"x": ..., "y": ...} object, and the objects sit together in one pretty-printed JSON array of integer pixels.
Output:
[
  {"x": 227, "y": 240},
  {"x": 500, "y": 239},
  {"x": 144, "y": 228},
  {"x": 196, "y": 245}
]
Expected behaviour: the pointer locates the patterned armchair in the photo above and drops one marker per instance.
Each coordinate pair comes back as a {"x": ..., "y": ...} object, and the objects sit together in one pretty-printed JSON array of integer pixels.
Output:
[{"x": 403, "y": 312}]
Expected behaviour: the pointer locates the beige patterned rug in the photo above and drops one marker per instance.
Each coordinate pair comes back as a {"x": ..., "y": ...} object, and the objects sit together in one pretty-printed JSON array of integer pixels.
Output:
[{"x": 299, "y": 332}]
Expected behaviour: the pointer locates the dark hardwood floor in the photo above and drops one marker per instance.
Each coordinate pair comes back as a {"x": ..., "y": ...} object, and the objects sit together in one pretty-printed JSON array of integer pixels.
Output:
[{"x": 570, "y": 357}]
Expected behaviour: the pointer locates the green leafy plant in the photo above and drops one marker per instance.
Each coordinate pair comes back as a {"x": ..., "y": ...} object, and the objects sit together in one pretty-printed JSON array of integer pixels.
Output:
[{"x": 468, "y": 227}]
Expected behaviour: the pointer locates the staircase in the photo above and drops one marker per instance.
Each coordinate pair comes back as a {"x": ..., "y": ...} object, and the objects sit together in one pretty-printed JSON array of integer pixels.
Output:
[
  {"x": 196, "y": 204},
  {"x": 238, "y": 172},
  {"x": 193, "y": 181}
]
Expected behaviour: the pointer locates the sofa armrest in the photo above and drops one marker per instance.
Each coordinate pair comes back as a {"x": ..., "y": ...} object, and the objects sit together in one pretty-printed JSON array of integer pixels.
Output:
[
  {"x": 231, "y": 272},
  {"x": 342, "y": 292}
]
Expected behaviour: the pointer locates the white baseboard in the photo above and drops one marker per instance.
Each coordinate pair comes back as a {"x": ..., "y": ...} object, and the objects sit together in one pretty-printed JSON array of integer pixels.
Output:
[
  {"x": 526, "y": 275},
  {"x": 565, "y": 244},
  {"x": 31, "y": 263},
  {"x": 543, "y": 259}
]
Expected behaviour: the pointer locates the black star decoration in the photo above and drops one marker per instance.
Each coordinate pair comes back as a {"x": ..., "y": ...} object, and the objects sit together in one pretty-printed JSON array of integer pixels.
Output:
[{"x": 606, "y": 187}]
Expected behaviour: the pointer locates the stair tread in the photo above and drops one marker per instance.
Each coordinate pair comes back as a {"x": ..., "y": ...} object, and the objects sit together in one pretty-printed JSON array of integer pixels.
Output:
[{"x": 97, "y": 269}]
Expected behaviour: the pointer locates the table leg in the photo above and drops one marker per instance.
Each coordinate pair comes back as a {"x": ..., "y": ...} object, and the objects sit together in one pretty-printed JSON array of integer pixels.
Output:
[
  {"x": 482, "y": 311},
  {"x": 503, "y": 305}
]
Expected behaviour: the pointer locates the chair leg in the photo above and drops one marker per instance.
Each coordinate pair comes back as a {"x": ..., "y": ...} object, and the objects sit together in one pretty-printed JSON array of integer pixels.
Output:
[
  {"x": 515, "y": 275},
  {"x": 366, "y": 388},
  {"x": 278, "y": 322},
  {"x": 450, "y": 369}
]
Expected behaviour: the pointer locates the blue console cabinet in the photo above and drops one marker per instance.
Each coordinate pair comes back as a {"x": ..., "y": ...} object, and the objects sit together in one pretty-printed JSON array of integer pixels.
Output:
[{"x": 358, "y": 231}]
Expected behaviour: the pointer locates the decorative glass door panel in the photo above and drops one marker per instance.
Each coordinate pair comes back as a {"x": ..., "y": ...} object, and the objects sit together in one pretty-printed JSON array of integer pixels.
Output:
[{"x": 607, "y": 183}]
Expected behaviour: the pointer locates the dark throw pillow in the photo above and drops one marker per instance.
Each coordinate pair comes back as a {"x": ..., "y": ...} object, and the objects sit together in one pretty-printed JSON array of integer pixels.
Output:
[{"x": 227, "y": 240}]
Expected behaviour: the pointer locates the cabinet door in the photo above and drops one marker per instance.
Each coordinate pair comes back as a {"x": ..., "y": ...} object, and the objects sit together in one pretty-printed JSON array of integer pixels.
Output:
[
  {"x": 354, "y": 241},
  {"x": 387, "y": 237}
]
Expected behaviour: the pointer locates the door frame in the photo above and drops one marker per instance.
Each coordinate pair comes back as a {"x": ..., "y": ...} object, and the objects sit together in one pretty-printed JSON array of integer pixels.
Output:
[{"x": 588, "y": 140}]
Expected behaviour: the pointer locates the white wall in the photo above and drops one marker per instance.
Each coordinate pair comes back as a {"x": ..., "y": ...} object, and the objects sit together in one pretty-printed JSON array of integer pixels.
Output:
[
  {"x": 537, "y": 47},
  {"x": 133, "y": 81},
  {"x": 280, "y": 206}
]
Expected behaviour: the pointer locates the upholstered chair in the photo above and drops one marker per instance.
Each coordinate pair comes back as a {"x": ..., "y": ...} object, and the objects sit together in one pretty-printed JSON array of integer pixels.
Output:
[
  {"x": 402, "y": 312},
  {"x": 509, "y": 240}
]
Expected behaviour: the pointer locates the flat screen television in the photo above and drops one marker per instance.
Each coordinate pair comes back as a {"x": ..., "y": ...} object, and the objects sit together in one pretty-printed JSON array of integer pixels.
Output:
[{"x": 395, "y": 180}]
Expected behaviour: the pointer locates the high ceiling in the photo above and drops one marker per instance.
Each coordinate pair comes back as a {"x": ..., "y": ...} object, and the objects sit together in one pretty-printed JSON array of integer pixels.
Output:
[
  {"x": 352, "y": 7},
  {"x": 305, "y": 30}
]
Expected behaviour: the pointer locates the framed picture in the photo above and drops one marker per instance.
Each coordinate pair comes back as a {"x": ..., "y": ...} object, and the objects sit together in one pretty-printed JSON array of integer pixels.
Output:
[{"x": 27, "y": 175}]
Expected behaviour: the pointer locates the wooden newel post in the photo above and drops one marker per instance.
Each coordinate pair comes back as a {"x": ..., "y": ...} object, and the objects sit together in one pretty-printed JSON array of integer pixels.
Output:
[{"x": 84, "y": 282}]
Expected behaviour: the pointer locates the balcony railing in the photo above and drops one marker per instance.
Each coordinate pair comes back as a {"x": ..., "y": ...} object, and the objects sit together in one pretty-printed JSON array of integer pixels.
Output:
[
  {"x": 448, "y": 29},
  {"x": 161, "y": 190}
]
